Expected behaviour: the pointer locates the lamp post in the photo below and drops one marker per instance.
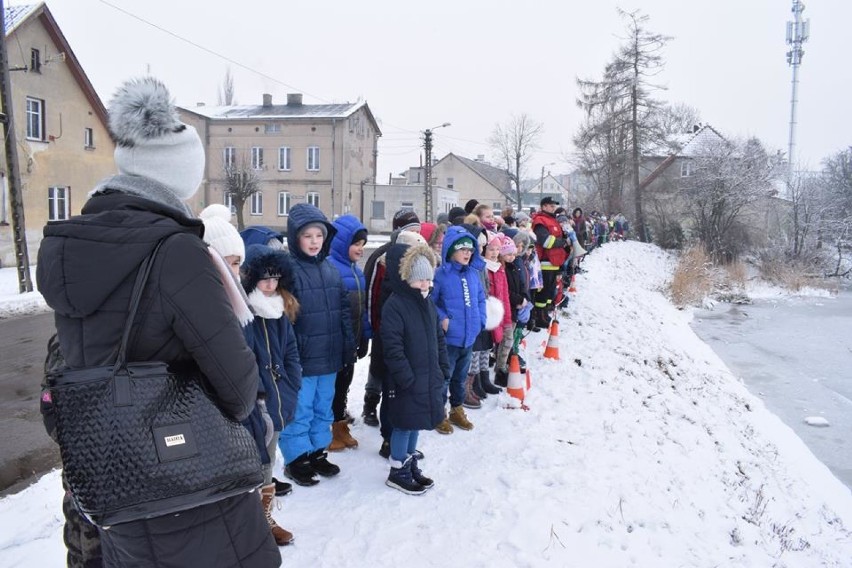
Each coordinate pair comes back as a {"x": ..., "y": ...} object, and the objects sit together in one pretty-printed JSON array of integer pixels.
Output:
[
  {"x": 541, "y": 184},
  {"x": 429, "y": 204}
]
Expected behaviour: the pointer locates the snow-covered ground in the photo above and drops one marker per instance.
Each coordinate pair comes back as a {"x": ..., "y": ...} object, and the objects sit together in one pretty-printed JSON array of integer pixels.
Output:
[
  {"x": 13, "y": 303},
  {"x": 639, "y": 448}
]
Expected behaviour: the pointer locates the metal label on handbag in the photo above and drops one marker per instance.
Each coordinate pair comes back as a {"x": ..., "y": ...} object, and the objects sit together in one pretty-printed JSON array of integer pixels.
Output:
[{"x": 175, "y": 442}]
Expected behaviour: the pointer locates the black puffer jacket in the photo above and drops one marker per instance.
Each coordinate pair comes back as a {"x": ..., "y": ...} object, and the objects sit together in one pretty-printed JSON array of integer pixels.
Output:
[
  {"x": 414, "y": 349},
  {"x": 86, "y": 269}
]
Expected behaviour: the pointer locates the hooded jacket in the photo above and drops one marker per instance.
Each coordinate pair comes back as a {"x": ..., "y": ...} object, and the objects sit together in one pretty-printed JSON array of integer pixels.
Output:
[
  {"x": 414, "y": 348},
  {"x": 458, "y": 293},
  {"x": 323, "y": 328},
  {"x": 351, "y": 274}
]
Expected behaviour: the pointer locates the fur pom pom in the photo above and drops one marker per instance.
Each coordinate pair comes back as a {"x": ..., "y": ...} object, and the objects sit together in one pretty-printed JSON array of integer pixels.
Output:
[
  {"x": 216, "y": 211},
  {"x": 493, "y": 312},
  {"x": 142, "y": 110}
]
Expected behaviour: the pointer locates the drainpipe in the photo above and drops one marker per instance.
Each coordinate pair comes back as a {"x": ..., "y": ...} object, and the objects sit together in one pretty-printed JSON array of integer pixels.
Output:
[{"x": 333, "y": 160}]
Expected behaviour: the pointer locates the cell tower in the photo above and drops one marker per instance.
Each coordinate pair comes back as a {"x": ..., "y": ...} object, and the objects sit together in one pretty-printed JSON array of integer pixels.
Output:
[{"x": 798, "y": 32}]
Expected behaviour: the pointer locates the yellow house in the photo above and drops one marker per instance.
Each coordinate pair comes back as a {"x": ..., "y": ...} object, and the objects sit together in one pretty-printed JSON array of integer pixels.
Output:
[
  {"x": 64, "y": 147},
  {"x": 323, "y": 154}
]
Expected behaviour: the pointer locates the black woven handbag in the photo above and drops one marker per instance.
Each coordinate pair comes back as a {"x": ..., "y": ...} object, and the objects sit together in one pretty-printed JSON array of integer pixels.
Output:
[{"x": 140, "y": 440}]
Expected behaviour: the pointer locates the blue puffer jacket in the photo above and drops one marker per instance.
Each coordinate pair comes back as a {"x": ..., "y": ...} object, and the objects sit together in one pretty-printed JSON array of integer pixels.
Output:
[
  {"x": 259, "y": 235},
  {"x": 458, "y": 293},
  {"x": 323, "y": 328},
  {"x": 274, "y": 344},
  {"x": 352, "y": 275}
]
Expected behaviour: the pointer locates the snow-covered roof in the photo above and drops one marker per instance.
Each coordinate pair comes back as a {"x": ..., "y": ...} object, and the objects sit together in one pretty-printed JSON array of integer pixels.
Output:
[
  {"x": 705, "y": 135},
  {"x": 242, "y": 112},
  {"x": 684, "y": 144},
  {"x": 14, "y": 15}
]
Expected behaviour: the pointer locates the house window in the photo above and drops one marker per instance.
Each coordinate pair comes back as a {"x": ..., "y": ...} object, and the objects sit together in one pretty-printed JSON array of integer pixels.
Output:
[
  {"x": 229, "y": 202},
  {"x": 35, "y": 119},
  {"x": 257, "y": 158},
  {"x": 284, "y": 158},
  {"x": 496, "y": 206},
  {"x": 57, "y": 203},
  {"x": 271, "y": 128},
  {"x": 229, "y": 157},
  {"x": 88, "y": 138},
  {"x": 257, "y": 203},
  {"x": 35, "y": 61},
  {"x": 313, "y": 158},
  {"x": 686, "y": 168},
  {"x": 406, "y": 206},
  {"x": 450, "y": 183},
  {"x": 378, "y": 210},
  {"x": 283, "y": 203},
  {"x": 313, "y": 198}
]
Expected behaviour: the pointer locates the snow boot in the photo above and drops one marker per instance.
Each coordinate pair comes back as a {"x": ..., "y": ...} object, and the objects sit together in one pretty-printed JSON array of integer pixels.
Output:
[
  {"x": 384, "y": 451},
  {"x": 417, "y": 474},
  {"x": 282, "y": 488},
  {"x": 487, "y": 385},
  {"x": 501, "y": 378},
  {"x": 458, "y": 418},
  {"x": 470, "y": 398},
  {"x": 321, "y": 465},
  {"x": 340, "y": 437},
  {"x": 282, "y": 536},
  {"x": 371, "y": 403},
  {"x": 478, "y": 388},
  {"x": 444, "y": 427},
  {"x": 400, "y": 478},
  {"x": 300, "y": 471}
]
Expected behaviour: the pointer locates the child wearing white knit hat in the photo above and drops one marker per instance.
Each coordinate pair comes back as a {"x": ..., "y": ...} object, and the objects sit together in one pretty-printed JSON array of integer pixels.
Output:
[{"x": 222, "y": 236}]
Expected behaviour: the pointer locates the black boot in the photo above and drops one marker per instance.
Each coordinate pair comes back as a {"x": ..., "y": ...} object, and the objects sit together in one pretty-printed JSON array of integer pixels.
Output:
[
  {"x": 322, "y": 466},
  {"x": 282, "y": 488},
  {"x": 371, "y": 402},
  {"x": 487, "y": 385},
  {"x": 300, "y": 471},
  {"x": 478, "y": 388},
  {"x": 417, "y": 474},
  {"x": 384, "y": 451},
  {"x": 400, "y": 478},
  {"x": 501, "y": 378}
]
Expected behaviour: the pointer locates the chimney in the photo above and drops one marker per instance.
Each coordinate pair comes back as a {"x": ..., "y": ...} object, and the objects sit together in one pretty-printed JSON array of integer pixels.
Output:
[
  {"x": 294, "y": 99},
  {"x": 267, "y": 100},
  {"x": 199, "y": 104}
]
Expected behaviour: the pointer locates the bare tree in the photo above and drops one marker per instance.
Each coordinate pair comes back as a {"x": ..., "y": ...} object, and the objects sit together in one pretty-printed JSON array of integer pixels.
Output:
[
  {"x": 513, "y": 142},
  {"x": 241, "y": 182},
  {"x": 728, "y": 178},
  {"x": 620, "y": 104},
  {"x": 225, "y": 95}
]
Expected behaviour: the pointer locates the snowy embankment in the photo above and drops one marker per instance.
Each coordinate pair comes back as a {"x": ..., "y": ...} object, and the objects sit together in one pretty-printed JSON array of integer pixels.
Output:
[
  {"x": 13, "y": 303},
  {"x": 639, "y": 449}
]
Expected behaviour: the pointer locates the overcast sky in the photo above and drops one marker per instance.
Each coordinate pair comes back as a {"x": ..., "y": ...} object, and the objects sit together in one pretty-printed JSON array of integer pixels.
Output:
[{"x": 474, "y": 63}]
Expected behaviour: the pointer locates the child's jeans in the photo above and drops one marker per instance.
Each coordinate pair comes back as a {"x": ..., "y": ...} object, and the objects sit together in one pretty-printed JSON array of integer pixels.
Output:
[
  {"x": 459, "y": 359},
  {"x": 403, "y": 443}
]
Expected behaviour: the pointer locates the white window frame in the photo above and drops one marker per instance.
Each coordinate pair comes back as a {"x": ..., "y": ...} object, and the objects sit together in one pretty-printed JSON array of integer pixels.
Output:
[
  {"x": 284, "y": 159},
  {"x": 686, "y": 168},
  {"x": 88, "y": 138},
  {"x": 497, "y": 206},
  {"x": 35, "y": 119},
  {"x": 228, "y": 201},
  {"x": 406, "y": 206},
  {"x": 313, "y": 198},
  {"x": 257, "y": 157},
  {"x": 58, "y": 201},
  {"x": 313, "y": 159},
  {"x": 257, "y": 203},
  {"x": 285, "y": 210},
  {"x": 229, "y": 157}
]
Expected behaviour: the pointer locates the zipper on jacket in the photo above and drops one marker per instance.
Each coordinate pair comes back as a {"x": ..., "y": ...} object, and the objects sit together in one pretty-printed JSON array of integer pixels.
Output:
[
  {"x": 357, "y": 336},
  {"x": 274, "y": 380}
]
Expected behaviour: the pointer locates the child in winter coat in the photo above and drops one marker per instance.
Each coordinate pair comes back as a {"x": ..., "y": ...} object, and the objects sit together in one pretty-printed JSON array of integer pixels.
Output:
[
  {"x": 416, "y": 357},
  {"x": 268, "y": 281},
  {"x": 347, "y": 248},
  {"x": 326, "y": 345},
  {"x": 460, "y": 301},
  {"x": 499, "y": 288}
]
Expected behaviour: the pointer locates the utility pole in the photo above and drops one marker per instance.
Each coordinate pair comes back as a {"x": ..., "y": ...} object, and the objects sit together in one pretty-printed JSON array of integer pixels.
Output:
[
  {"x": 19, "y": 233},
  {"x": 798, "y": 32},
  {"x": 428, "y": 198},
  {"x": 541, "y": 186}
]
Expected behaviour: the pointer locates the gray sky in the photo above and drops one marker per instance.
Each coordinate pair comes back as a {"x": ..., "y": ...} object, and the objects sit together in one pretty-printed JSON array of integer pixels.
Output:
[{"x": 475, "y": 62}]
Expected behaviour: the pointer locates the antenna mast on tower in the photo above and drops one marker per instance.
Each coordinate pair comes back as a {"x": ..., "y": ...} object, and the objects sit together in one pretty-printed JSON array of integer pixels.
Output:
[{"x": 798, "y": 32}]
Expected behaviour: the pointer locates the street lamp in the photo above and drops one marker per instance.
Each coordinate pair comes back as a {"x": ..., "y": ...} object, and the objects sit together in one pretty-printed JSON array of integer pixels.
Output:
[
  {"x": 427, "y": 189},
  {"x": 541, "y": 185}
]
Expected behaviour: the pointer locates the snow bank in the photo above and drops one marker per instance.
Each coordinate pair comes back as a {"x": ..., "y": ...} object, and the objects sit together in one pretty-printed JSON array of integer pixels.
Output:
[
  {"x": 639, "y": 449},
  {"x": 13, "y": 303}
]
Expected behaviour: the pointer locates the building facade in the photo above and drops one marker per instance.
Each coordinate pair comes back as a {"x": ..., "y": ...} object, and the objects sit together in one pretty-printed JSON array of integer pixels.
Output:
[{"x": 473, "y": 179}]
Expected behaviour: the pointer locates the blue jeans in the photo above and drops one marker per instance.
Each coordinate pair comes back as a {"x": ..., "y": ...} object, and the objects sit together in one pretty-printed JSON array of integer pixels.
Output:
[
  {"x": 459, "y": 359},
  {"x": 403, "y": 443},
  {"x": 310, "y": 429}
]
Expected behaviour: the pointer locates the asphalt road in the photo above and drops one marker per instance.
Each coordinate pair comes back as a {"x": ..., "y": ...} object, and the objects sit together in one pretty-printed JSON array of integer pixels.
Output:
[{"x": 25, "y": 448}]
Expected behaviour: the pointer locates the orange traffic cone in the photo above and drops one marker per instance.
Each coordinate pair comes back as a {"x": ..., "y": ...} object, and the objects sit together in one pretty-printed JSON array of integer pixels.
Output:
[
  {"x": 552, "y": 349},
  {"x": 515, "y": 381},
  {"x": 573, "y": 288},
  {"x": 529, "y": 380}
]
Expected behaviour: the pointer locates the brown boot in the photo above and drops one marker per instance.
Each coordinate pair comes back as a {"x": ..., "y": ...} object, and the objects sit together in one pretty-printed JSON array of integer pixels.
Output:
[
  {"x": 470, "y": 398},
  {"x": 444, "y": 427},
  {"x": 458, "y": 418},
  {"x": 338, "y": 441},
  {"x": 282, "y": 536},
  {"x": 347, "y": 436}
]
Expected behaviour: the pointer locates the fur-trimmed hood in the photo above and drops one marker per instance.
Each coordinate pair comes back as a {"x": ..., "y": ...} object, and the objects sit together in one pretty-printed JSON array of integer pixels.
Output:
[{"x": 261, "y": 259}]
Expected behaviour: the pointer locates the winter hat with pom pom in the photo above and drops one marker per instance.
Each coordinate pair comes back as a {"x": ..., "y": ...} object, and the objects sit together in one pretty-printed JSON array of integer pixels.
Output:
[
  {"x": 507, "y": 246},
  {"x": 151, "y": 141},
  {"x": 220, "y": 234}
]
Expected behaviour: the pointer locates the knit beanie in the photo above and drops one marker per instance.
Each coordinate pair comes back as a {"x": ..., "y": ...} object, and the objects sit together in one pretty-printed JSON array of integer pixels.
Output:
[
  {"x": 405, "y": 219},
  {"x": 495, "y": 241},
  {"x": 360, "y": 235},
  {"x": 318, "y": 224},
  {"x": 456, "y": 216},
  {"x": 462, "y": 244},
  {"x": 151, "y": 141},
  {"x": 220, "y": 234},
  {"x": 421, "y": 269},
  {"x": 470, "y": 206},
  {"x": 418, "y": 263},
  {"x": 507, "y": 246},
  {"x": 410, "y": 238}
]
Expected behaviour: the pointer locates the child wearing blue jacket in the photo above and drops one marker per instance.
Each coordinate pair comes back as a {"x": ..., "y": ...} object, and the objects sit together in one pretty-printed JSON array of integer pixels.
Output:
[
  {"x": 267, "y": 278},
  {"x": 460, "y": 301},
  {"x": 347, "y": 248},
  {"x": 326, "y": 345}
]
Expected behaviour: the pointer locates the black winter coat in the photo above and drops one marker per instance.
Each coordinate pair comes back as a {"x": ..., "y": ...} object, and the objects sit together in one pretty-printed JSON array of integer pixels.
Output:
[
  {"x": 86, "y": 269},
  {"x": 415, "y": 354}
]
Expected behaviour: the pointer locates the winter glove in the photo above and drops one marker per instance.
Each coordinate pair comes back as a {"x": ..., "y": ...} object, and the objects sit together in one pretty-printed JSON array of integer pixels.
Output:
[
  {"x": 362, "y": 347},
  {"x": 267, "y": 421}
]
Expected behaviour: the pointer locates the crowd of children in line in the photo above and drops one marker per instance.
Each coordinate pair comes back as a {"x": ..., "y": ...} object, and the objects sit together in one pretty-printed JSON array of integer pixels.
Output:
[{"x": 437, "y": 307}]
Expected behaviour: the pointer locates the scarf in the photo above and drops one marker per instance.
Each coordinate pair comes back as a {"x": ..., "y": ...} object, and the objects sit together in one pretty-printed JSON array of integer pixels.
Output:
[
  {"x": 233, "y": 290},
  {"x": 143, "y": 187},
  {"x": 267, "y": 307}
]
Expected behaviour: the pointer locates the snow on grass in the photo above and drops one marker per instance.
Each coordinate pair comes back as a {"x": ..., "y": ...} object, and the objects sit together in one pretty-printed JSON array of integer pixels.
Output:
[
  {"x": 13, "y": 303},
  {"x": 647, "y": 453}
]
